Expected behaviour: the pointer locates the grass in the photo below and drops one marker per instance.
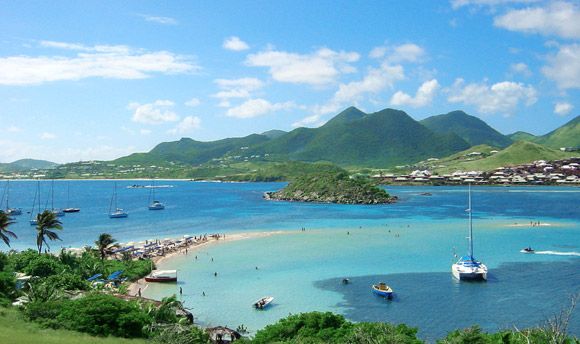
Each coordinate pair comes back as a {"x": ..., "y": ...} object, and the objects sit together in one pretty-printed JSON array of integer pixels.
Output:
[{"x": 14, "y": 329}]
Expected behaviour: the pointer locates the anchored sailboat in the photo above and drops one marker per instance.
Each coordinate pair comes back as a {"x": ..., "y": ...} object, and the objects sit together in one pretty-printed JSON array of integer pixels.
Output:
[
  {"x": 68, "y": 209},
  {"x": 155, "y": 205},
  {"x": 10, "y": 211},
  {"x": 116, "y": 212},
  {"x": 467, "y": 267},
  {"x": 55, "y": 211}
]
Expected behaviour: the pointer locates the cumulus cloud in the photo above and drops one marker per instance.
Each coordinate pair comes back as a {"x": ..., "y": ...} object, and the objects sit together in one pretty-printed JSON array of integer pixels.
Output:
[
  {"x": 235, "y": 43},
  {"x": 376, "y": 80},
  {"x": 423, "y": 96},
  {"x": 564, "y": 67},
  {"x": 502, "y": 97},
  {"x": 159, "y": 20},
  {"x": 236, "y": 88},
  {"x": 313, "y": 120},
  {"x": 47, "y": 136},
  {"x": 520, "y": 68},
  {"x": 408, "y": 52},
  {"x": 157, "y": 112},
  {"x": 102, "y": 61},
  {"x": 193, "y": 102},
  {"x": 322, "y": 67},
  {"x": 562, "y": 108},
  {"x": 257, "y": 107},
  {"x": 188, "y": 124},
  {"x": 557, "y": 18}
]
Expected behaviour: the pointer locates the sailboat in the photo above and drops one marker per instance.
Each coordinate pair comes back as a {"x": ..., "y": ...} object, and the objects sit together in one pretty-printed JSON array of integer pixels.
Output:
[
  {"x": 117, "y": 212},
  {"x": 33, "y": 217},
  {"x": 57, "y": 212},
  {"x": 69, "y": 209},
  {"x": 10, "y": 211},
  {"x": 155, "y": 205},
  {"x": 467, "y": 267}
]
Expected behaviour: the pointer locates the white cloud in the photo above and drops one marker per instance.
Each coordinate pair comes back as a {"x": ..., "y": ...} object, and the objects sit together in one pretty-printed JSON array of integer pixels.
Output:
[
  {"x": 160, "y": 20},
  {"x": 193, "y": 102},
  {"x": 520, "y": 68},
  {"x": 322, "y": 67},
  {"x": 423, "y": 97},
  {"x": 103, "y": 61},
  {"x": 257, "y": 107},
  {"x": 557, "y": 18},
  {"x": 502, "y": 97},
  {"x": 564, "y": 67},
  {"x": 376, "y": 80},
  {"x": 236, "y": 88},
  {"x": 145, "y": 132},
  {"x": 408, "y": 52},
  {"x": 235, "y": 43},
  {"x": 490, "y": 3},
  {"x": 188, "y": 124},
  {"x": 157, "y": 112},
  {"x": 563, "y": 108},
  {"x": 13, "y": 129},
  {"x": 47, "y": 136},
  {"x": 14, "y": 150}
]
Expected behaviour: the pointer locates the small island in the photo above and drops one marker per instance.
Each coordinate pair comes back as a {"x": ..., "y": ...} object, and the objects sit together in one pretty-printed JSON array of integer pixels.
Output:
[{"x": 331, "y": 187}]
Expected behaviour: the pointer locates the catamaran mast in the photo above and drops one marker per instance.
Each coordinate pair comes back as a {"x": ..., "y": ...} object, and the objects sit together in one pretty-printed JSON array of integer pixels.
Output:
[{"x": 470, "y": 226}]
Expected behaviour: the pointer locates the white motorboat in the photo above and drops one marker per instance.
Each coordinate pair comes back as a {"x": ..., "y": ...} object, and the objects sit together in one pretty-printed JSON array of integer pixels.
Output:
[{"x": 263, "y": 302}]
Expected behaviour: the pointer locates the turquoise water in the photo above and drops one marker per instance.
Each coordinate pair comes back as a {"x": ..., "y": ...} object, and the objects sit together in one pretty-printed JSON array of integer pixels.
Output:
[{"x": 410, "y": 245}]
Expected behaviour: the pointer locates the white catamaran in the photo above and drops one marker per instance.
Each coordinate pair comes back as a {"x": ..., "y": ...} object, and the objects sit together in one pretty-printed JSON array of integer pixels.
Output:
[{"x": 467, "y": 267}]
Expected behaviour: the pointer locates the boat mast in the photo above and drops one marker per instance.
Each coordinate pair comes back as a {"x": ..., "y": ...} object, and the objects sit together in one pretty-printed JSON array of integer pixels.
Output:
[{"x": 470, "y": 226}]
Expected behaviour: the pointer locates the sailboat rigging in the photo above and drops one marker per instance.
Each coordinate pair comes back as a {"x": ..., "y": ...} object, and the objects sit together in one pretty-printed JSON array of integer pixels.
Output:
[
  {"x": 34, "y": 218},
  {"x": 68, "y": 209},
  {"x": 116, "y": 212},
  {"x": 10, "y": 211}
]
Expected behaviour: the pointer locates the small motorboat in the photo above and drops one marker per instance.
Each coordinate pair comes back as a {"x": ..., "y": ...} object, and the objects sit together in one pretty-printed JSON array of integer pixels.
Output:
[
  {"x": 263, "y": 302},
  {"x": 528, "y": 249},
  {"x": 162, "y": 276},
  {"x": 383, "y": 290},
  {"x": 345, "y": 281},
  {"x": 71, "y": 210}
]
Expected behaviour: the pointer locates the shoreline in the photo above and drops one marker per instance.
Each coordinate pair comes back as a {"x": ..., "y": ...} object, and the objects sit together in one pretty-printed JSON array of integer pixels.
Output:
[{"x": 141, "y": 284}]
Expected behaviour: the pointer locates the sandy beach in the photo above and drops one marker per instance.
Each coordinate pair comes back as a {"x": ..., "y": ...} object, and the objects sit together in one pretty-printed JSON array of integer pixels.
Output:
[{"x": 134, "y": 287}]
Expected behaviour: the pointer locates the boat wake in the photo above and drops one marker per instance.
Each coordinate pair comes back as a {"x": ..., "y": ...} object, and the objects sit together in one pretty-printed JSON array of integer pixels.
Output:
[{"x": 557, "y": 253}]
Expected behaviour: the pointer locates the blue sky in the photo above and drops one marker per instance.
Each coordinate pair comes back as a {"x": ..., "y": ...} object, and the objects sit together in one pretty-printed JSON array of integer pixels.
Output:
[{"x": 83, "y": 80}]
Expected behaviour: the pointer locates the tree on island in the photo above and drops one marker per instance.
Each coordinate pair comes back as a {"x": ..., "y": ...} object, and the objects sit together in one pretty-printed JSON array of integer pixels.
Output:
[
  {"x": 5, "y": 222},
  {"x": 104, "y": 242},
  {"x": 46, "y": 221}
]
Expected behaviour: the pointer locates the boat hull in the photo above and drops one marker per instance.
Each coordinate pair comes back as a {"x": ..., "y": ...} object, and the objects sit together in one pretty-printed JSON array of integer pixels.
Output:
[
  {"x": 263, "y": 302},
  {"x": 388, "y": 293},
  {"x": 476, "y": 274},
  {"x": 118, "y": 216},
  {"x": 71, "y": 210},
  {"x": 160, "y": 279}
]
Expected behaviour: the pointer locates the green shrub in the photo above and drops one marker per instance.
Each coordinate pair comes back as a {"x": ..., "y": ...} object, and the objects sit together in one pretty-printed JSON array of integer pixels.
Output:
[
  {"x": 44, "y": 265},
  {"x": 7, "y": 285},
  {"x": 104, "y": 315},
  {"x": 313, "y": 326}
]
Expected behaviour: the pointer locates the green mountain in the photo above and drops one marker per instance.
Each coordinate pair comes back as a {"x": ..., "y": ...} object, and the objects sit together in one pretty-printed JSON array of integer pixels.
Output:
[
  {"x": 567, "y": 135},
  {"x": 470, "y": 128},
  {"x": 27, "y": 164},
  {"x": 188, "y": 151},
  {"x": 385, "y": 138},
  {"x": 521, "y": 136}
]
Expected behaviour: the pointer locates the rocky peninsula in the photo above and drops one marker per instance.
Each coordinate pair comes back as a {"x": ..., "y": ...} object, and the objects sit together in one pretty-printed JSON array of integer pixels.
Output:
[{"x": 331, "y": 187}]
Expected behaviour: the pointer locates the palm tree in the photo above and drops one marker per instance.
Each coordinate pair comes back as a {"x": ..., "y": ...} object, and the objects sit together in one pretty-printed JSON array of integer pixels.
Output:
[
  {"x": 104, "y": 242},
  {"x": 47, "y": 221},
  {"x": 5, "y": 234}
]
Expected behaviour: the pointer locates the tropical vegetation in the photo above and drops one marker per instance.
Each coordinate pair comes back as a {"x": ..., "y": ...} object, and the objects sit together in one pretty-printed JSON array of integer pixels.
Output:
[
  {"x": 5, "y": 233},
  {"x": 46, "y": 222}
]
